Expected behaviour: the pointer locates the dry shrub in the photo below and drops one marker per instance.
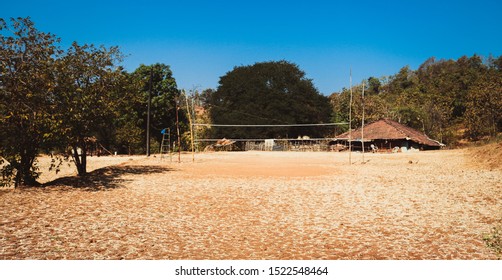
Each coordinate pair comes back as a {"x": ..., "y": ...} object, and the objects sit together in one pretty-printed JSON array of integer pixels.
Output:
[{"x": 493, "y": 239}]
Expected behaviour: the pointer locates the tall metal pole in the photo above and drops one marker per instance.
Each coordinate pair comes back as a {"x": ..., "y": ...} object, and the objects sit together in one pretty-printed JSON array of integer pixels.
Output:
[
  {"x": 178, "y": 128},
  {"x": 148, "y": 114},
  {"x": 169, "y": 136},
  {"x": 350, "y": 119},
  {"x": 362, "y": 127}
]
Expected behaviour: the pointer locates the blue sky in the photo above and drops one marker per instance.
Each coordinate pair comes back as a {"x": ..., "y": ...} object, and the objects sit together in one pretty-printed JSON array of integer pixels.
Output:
[{"x": 203, "y": 40}]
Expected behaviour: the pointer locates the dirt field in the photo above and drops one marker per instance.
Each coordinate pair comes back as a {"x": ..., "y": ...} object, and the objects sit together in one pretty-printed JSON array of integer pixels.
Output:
[{"x": 258, "y": 205}]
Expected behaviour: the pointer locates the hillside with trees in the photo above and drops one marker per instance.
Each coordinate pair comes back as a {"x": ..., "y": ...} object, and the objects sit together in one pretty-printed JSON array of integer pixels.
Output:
[{"x": 449, "y": 100}]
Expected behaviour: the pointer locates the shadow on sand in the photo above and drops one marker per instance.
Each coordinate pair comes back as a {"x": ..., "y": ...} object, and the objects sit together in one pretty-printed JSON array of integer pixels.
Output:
[{"x": 105, "y": 178}]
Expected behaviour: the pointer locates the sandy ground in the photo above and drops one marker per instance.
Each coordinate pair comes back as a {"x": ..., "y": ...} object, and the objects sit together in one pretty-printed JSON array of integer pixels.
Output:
[{"x": 258, "y": 205}]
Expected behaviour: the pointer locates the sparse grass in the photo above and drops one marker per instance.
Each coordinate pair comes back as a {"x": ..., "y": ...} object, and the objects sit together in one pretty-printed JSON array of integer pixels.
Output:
[{"x": 493, "y": 239}]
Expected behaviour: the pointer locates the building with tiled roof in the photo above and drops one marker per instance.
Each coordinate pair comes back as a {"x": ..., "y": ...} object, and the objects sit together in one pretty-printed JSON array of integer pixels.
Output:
[{"x": 388, "y": 134}]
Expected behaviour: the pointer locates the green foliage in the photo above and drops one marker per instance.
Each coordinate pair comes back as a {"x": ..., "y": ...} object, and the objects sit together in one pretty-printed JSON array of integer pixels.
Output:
[
  {"x": 27, "y": 87},
  {"x": 267, "y": 93},
  {"x": 483, "y": 114},
  {"x": 85, "y": 101},
  {"x": 202, "y": 103},
  {"x": 374, "y": 107},
  {"x": 374, "y": 86},
  {"x": 54, "y": 100},
  {"x": 493, "y": 239},
  {"x": 129, "y": 135},
  {"x": 163, "y": 100}
]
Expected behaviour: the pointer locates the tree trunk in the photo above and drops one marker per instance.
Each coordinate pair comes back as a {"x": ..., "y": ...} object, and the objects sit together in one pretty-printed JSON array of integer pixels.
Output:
[
  {"x": 25, "y": 175},
  {"x": 83, "y": 168},
  {"x": 80, "y": 160}
]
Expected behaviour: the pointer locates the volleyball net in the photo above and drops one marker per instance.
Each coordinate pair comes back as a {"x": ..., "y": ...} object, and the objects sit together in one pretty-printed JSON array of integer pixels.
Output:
[{"x": 278, "y": 142}]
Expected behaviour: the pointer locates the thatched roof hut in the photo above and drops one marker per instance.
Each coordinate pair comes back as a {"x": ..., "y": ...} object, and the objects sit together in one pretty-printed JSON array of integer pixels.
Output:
[{"x": 387, "y": 134}]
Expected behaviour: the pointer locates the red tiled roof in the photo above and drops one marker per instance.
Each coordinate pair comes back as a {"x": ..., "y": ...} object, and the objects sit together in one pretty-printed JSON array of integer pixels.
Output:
[{"x": 389, "y": 129}]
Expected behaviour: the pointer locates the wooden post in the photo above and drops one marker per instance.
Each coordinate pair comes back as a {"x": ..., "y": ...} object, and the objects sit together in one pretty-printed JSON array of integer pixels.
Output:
[
  {"x": 191, "y": 127},
  {"x": 178, "y": 128}
]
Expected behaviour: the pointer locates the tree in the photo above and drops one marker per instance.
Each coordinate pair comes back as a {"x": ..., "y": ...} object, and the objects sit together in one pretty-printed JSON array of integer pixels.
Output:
[
  {"x": 126, "y": 132},
  {"x": 27, "y": 57},
  {"x": 484, "y": 107},
  {"x": 374, "y": 85},
  {"x": 374, "y": 107},
  {"x": 268, "y": 93},
  {"x": 203, "y": 99},
  {"x": 86, "y": 96},
  {"x": 163, "y": 100}
]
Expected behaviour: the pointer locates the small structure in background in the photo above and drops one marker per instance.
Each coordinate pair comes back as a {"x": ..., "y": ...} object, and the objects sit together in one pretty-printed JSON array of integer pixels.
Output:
[
  {"x": 94, "y": 147},
  {"x": 220, "y": 145},
  {"x": 389, "y": 135},
  {"x": 269, "y": 144}
]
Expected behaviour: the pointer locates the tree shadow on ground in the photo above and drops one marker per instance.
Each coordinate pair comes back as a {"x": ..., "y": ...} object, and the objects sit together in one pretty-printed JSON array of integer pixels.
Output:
[{"x": 105, "y": 178}]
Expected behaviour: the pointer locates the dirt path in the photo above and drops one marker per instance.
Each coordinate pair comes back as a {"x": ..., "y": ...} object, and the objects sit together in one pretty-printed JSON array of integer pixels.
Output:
[{"x": 259, "y": 205}]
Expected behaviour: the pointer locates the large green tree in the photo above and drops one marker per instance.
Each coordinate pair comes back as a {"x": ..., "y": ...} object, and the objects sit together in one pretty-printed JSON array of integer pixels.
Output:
[
  {"x": 164, "y": 96},
  {"x": 274, "y": 92},
  {"x": 86, "y": 96},
  {"x": 27, "y": 57},
  {"x": 126, "y": 134}
]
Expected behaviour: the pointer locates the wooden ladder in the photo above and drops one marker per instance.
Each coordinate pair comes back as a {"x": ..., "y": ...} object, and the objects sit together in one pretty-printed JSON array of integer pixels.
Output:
[{"x": 165, "y": 145}]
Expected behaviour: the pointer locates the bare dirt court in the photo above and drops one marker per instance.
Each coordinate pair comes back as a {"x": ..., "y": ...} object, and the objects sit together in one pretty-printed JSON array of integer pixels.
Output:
[{"x": 258, "y": 205}]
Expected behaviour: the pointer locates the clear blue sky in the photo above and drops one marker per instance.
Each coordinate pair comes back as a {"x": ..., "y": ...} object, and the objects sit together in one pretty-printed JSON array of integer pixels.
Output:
[{"x": 203, "y": 40}]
